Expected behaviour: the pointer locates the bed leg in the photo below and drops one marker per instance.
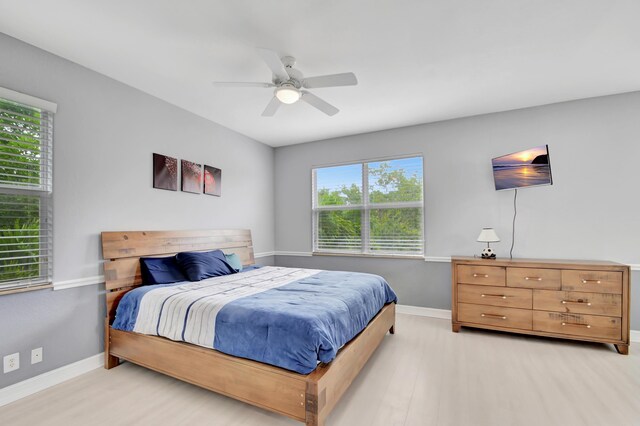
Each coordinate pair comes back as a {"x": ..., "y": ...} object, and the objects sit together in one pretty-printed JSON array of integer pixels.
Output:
[
  {"x": 312, "y": 409},
  {"x": 392, "y": 330},
  {"x": 109, "y": 360}
]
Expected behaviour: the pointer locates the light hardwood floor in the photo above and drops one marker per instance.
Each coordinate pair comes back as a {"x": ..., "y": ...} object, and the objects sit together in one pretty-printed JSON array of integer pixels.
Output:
[{"x": 422, "y": 375}]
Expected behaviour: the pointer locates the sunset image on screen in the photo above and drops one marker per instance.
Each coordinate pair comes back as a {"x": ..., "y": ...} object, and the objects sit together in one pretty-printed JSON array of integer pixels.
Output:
[{"x": 524, "y": 168}]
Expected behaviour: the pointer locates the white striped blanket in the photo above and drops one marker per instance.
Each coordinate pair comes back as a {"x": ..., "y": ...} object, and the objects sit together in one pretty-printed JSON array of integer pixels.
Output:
[{"x": 187, "y": 312}]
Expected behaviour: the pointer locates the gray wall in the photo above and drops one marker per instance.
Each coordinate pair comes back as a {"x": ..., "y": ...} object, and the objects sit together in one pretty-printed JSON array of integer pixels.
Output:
[
  {"x": 591, "y": 211},
  {"x": 67, "y": 324},
  {"x": 104, "y": 135}
]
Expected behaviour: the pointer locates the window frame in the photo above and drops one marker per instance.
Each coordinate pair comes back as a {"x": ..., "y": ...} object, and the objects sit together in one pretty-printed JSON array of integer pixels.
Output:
[
  {"x": 365, "y": 208},
  {"x": 42, "y": 191}
]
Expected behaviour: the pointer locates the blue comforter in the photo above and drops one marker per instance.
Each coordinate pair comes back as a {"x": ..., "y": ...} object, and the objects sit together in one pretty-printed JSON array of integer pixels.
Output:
[{"x": 290, "y": 318}]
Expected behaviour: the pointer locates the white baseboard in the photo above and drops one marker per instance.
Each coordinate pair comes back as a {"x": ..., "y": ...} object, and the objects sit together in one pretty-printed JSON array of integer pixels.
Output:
[
  {"x": 264, "y": 254},
  {"x": 440, "y": 259},
  {"x": 294, "y": 253},
  {"x": 79, "y": 282},
  {"x": 424, "y": 312},
  {"x": 634, "y": 335},
  {"x": 50, "y": 378}
]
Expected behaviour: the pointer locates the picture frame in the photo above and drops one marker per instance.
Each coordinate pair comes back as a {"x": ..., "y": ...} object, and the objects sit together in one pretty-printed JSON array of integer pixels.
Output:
[
  {"x": 165, "y": 172},
  {"x": 212, "y": 181},
  {"x": 191, "y": 177}
]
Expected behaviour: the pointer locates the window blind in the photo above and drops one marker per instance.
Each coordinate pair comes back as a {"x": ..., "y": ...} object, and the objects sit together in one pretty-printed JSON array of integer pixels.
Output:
[
  {"x": 373, "y": 207},
  {"x": 26, "y": 186}
]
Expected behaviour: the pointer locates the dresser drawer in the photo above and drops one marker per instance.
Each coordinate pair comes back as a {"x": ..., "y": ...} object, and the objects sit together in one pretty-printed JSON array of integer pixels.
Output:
[
  {"x": 549, "y": 279},
  {"x": 578, "y": 302},
  {"x": 592, "y": 281},
  {"x": 482, "y": 275},
  {"x": 495, "y": 296},
  {"x": 493, "y": 315},
  {"x": 597, "y": 327}
]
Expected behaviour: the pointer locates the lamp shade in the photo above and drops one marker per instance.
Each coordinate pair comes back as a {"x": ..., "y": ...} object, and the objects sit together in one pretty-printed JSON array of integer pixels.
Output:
[{"x": 488, "y": 235}]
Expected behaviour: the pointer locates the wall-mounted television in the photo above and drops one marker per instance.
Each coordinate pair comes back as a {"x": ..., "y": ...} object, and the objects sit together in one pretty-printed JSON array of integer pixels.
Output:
[{"x": 521, "y": 169}]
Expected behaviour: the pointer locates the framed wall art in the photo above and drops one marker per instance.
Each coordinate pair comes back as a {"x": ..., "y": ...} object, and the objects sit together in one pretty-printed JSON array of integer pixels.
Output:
[
  {"x": 165, "y": 172},
  {"x": 191, "y": 177},
  {"x": 212, "y": 181}
]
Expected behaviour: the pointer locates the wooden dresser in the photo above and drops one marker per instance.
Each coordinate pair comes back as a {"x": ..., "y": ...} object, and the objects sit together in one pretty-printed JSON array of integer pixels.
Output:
[{"x": 580, "y": 300}]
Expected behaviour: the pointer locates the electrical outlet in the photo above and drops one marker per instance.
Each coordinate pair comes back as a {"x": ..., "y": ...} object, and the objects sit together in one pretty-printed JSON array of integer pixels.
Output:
[
  {"x": 11, "y": 362},
  {"x": 36, "y": 355}
]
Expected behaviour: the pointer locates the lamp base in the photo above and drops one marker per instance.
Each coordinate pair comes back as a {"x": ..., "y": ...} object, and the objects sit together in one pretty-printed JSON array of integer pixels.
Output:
[{"x": 488, "y": 253}]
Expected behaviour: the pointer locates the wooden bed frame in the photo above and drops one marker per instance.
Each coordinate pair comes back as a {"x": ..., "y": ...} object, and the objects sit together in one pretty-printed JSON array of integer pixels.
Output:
[{"x": 307, "y": 398}]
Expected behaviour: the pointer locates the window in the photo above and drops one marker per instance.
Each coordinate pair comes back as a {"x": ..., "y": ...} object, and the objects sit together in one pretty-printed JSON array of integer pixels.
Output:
[
  {"x": 25, "y": 193},
  {"x": 372, "y": 208}
]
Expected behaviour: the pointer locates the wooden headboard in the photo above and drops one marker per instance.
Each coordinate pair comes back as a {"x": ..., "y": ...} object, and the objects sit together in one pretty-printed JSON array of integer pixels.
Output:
[{"x": 123, "y": 250}]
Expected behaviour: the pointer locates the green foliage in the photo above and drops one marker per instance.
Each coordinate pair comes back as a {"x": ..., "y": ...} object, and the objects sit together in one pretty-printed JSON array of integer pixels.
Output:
[
  {"x": 399, "y": 228},
  {"x": 340, "y": 228},
  {"x": 19, "y": 214},
  {"x": 346, "y": 196},
  {"x": 393, "y": 186},
  {"x": 19, "y": 144},
  {"x": 12, "y": 268}
]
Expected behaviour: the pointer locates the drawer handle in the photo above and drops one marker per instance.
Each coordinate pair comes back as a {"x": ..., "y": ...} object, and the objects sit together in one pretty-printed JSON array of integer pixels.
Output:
[
  {"x": 533, "y": 278},
  {"x": 576, "y": 325},
  {"x": 580, "y": 302},
  {"x": 480, "y": 275},
  {"x": 502, "y": 317},
  {"x": 502, "y": 296},
  {"x": 591, "y": 281}
]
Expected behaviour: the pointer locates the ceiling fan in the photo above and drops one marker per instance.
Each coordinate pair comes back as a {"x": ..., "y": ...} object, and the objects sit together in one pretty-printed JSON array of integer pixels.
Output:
[{"x": 289, "y": 84}]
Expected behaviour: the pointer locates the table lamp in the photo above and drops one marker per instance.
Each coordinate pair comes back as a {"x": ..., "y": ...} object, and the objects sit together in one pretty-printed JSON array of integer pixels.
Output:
[{"x": 488, "y": 235}]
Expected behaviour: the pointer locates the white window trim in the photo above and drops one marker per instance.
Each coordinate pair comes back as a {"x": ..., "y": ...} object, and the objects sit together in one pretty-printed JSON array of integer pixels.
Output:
[
  {"x": 365, "y": 207},
  {"x": 44, "y": 191},
  {"x": 32, "y": 101}
]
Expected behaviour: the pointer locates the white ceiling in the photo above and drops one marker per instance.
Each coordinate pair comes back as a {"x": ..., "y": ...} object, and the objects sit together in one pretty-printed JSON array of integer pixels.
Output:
[{"x": 417, "y": 61}]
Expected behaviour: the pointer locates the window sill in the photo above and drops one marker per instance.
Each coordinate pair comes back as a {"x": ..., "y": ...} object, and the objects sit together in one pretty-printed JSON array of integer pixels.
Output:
[
  {"x": 25, "y": 289},
  {"x": 376, "y": 256}
]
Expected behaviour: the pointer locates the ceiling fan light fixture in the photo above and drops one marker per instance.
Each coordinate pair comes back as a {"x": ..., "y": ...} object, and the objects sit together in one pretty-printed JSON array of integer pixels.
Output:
[
  {"x": 288, "y": 94},
  {"x": 290, "y": 84}
]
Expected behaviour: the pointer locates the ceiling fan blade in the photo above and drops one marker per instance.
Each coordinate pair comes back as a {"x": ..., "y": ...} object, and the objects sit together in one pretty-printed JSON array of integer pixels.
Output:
[
  {"x": 273, "y": 61},
  {"x": 241, "y": 84},
  {"x": 316, "y": 102},
  {"x": 332, "y": 80},
  {"x": 271, "y": 108}
]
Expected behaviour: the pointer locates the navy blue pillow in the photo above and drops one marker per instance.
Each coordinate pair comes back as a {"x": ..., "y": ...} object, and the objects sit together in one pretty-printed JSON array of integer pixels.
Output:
[
  {"x": 200, "y": 265},
  {"x": 160, "y": 270}
]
